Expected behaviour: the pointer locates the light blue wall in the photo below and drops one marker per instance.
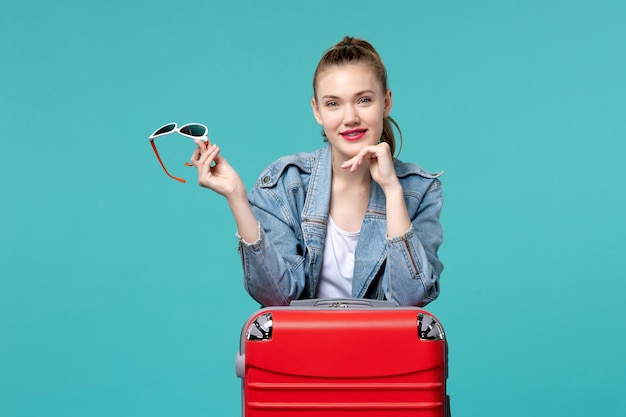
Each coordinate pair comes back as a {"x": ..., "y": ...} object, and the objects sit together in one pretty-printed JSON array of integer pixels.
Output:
[{"x": 120, "y": 289}]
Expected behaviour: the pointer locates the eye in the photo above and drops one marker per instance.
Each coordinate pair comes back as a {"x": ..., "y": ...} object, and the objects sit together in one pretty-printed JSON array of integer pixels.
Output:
[
  {"x": 331, "y": 104},
  {"x": 365, "y": 100}
]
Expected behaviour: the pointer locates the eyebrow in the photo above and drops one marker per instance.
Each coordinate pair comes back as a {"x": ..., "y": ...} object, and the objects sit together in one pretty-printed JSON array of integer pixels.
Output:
[{"x": 360, "y": 93}]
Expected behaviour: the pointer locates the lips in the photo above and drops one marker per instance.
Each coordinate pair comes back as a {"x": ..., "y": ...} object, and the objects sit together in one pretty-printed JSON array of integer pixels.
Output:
[{"x": 353, "y": 134}]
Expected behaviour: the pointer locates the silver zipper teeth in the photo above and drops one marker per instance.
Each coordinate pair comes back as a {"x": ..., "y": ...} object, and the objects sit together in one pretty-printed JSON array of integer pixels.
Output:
[
  {"x": 408, "y": 249},
  {"x": 313, "y": 221}
]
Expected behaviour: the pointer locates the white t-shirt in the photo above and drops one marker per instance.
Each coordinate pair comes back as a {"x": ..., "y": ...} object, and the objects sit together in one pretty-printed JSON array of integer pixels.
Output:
[{"x": 338, "y": 263}]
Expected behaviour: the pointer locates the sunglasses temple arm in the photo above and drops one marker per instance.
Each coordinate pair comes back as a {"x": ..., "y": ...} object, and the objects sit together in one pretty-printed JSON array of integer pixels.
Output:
[{"x": 162, "y": 165}]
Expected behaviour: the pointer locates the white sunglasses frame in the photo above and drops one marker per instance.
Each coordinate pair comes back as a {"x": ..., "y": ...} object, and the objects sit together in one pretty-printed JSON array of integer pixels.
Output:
[{"x": 175, "y": 129}]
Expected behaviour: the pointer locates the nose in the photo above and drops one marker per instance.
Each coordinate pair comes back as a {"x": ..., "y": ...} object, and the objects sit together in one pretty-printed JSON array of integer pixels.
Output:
[{"x": 351, "y": 116}]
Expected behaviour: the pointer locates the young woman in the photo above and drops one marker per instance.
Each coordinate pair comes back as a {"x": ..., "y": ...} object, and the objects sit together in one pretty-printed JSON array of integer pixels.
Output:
[{"x": 345, "y": 221}]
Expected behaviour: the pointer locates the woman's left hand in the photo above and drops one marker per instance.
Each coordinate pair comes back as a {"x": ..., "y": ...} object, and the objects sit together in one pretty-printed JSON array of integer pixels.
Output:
[{"x": 380, "y": 164}]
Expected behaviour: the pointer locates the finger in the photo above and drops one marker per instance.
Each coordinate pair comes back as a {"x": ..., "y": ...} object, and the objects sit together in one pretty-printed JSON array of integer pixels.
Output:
[
  {"x": 353, "y": 163},
  {"x": 348, "y": 164},
  {"x": 219, "y": 159},
  {"x": 202, "y": 145},
  {"x": 197, "y": 153},
  {"x": 195, "y": 156},
  {"x": 206, "y": 160},
  {"x": 360, "y": 158}
]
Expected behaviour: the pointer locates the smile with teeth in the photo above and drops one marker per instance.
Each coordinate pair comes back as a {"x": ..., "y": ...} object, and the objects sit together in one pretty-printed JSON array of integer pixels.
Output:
[{"x": 353, "y": 134}]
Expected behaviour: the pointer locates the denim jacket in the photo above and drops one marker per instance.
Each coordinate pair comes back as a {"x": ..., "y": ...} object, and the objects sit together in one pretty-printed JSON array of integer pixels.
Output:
[{"x": 291, "y": 201}]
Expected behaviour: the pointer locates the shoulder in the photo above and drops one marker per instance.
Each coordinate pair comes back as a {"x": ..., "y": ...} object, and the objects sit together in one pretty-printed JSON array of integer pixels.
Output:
[
  {"x": 421, "y": 188},
  {"x": 289, "y": 167},
  {"x": 411, "y": 174}
]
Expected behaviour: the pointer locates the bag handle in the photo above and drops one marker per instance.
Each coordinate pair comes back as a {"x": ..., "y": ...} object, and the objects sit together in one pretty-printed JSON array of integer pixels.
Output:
[{"x": 343, "y": 303}]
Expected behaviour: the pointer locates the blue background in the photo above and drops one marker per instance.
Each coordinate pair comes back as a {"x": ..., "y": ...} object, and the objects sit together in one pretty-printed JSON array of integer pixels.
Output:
[{"x": 120, "y": 289}]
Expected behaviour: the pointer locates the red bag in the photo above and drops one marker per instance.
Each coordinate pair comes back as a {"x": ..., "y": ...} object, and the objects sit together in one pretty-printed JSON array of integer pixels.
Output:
[{"x": 352, "y": 357}]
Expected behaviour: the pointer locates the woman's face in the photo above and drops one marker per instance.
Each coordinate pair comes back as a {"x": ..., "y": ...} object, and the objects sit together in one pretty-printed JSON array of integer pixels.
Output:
[{"x": 350, "y": 104}]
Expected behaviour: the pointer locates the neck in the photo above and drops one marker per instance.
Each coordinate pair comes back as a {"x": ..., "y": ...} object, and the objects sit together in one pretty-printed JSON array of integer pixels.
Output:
[
  {"x": 344, "y": 176},
  {"x": 351, "y": 188},
  {"x": 349, "y": 196}
]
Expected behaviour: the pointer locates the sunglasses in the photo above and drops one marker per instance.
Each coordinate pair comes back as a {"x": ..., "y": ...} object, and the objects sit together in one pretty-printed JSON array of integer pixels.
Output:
[{"x": 190, "y": 130}]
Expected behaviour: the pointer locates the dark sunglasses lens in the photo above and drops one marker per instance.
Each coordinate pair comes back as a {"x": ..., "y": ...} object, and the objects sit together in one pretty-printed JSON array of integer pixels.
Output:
[
  {"x": 193, "y": 130},
  {"x": 165, "y": 129}
]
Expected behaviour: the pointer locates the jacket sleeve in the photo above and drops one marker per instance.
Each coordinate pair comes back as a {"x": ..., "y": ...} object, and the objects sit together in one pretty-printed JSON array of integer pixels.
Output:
[
  {"x": 273, "y": 266},
  {"x": 413, "y": 268}
]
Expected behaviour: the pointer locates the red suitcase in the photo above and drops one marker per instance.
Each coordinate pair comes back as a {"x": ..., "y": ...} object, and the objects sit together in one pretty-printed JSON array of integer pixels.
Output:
[{"x": 343, "y": 358}]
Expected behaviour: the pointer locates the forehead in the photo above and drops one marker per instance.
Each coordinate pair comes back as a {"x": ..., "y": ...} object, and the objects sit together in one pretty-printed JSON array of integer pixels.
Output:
[{"x": 345, "y": 79}]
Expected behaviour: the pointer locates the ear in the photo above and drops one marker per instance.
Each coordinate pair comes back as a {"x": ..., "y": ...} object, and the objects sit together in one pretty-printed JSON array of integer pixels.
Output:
[
  {"x": 316, "y": 111},
  {"x": 388, "y": 103}
]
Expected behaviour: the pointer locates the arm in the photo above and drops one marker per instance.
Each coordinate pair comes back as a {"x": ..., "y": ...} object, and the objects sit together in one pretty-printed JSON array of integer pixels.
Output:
[
  {"x": 273, "y": 270},
  {"x": 413, "y": 267},
  {"x": 382, "y": 171},
  {"x": 274, "y": 265},
  {"x": 215, "y": 173}
]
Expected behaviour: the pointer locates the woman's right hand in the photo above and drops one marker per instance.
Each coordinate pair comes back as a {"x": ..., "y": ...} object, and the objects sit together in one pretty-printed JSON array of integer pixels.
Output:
[{"x": 214, "y": 172}]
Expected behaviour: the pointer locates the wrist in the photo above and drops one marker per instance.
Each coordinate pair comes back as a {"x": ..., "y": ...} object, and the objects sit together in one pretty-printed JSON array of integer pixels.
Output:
[
  {"x": 238, "y": 194},
  {"x": 393, "y": 189}
]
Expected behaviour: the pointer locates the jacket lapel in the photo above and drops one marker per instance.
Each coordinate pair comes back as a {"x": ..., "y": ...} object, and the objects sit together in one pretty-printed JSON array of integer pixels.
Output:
[
  {"x": 370, "y": 251},
  {"x": 315, "y": 215}
]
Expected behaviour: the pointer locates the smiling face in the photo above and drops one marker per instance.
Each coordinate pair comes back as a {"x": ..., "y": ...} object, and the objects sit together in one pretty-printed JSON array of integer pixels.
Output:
[{"x": 350, "y": 104}]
